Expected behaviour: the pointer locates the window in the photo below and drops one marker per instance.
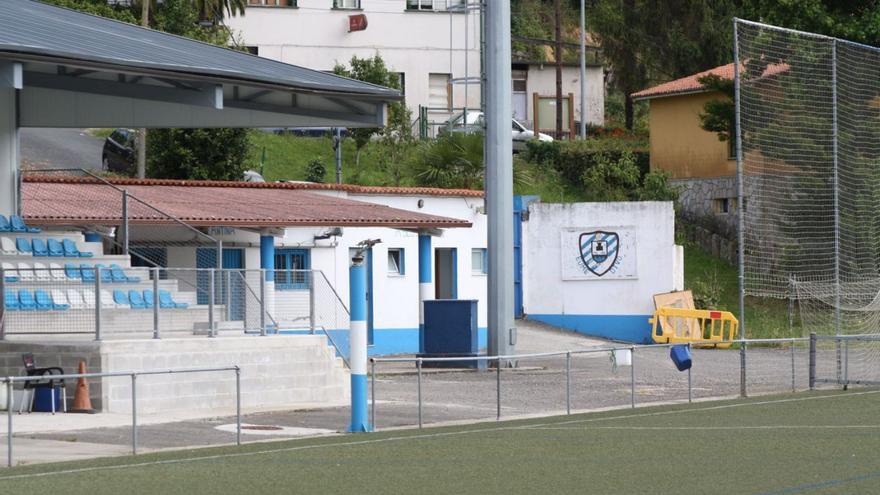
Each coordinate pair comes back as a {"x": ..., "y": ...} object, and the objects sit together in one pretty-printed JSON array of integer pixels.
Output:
[
  {"x": 724, "y": 206},
  {"x": 253, "y": 50},
  {"x": 346, "y": 4},
  {"x": 440, "y": 91},
  {"x": 396, "y": 262},
  {"x": 288, "y": 266},
  {"x": 432, "y": 5},
  {"x": 479, "y": 260},
  {"x": 272, "y": 3}
]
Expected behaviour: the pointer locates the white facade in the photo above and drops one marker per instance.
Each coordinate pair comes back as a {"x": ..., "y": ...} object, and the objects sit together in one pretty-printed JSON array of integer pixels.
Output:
[
  {"x": 616, "y": 300},
  {"x": 429, "y": 47},
  {"x": 415, "y": 43}
]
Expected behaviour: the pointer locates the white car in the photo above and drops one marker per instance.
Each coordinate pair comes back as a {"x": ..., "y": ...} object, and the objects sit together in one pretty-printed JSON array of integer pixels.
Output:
[{"x": 476, "y": 122}]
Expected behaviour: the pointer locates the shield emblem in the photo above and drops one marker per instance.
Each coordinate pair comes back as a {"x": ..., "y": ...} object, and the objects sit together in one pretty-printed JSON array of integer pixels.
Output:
[{"x": 599, "y": 251}]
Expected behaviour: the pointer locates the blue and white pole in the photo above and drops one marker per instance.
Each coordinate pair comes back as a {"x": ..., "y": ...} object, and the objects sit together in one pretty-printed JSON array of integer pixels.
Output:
[
  {"x": 357, "y": 296},
  {"x": 426, "y": 287},
  {"x": 267, "y": 263}
]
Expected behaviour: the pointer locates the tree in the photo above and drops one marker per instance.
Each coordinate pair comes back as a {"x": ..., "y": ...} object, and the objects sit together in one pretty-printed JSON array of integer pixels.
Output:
[
  {"x": 200, "y": 154},
  {"x": 373, "y": 70},
  {"x": 718, "y": 115}
]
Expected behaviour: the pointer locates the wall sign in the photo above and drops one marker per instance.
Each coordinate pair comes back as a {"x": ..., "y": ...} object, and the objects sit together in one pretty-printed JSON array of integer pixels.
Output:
[
  {"x": 357, "y": 22},
  {"x": 600, "y": 253}
]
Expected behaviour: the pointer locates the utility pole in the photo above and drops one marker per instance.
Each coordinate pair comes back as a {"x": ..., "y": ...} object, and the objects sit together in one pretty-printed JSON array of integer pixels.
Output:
[
  {"x": 558, "y": 56},
  {"x": 499, "y": 179},
  {"x": 337, "y": 149},
  {"x": 583, "y": 129},
  {"x": 142, "y": 135}
]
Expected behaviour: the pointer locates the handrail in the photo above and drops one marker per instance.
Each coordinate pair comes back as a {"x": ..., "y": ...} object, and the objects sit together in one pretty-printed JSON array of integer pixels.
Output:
[{"x": 335, "y": 346}]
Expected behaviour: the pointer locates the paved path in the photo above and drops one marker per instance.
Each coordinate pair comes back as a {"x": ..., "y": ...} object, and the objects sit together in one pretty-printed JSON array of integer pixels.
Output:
[
  {"x": 60, "y": 148},
  {"x": 538, "y": 388}
]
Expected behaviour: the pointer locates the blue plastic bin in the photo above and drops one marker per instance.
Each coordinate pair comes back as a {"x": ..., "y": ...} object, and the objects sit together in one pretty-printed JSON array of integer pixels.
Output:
[
  {"x": 43, "y": 399},
  {"x": 681, "y": 356}
]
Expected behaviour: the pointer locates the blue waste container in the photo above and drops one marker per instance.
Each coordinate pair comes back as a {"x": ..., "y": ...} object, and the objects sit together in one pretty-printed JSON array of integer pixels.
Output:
[
  {"x": 43, "y": 399},
  {"x": 451, "y": 331},
  {"x": 681, "y": 356}
]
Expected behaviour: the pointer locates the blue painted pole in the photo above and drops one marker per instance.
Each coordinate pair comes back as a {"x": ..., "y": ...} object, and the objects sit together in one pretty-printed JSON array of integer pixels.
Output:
[
  {"x": 357, "y": 294},
  {"x": 267, "y": 263},
  {"x": 426, "y": 288}
]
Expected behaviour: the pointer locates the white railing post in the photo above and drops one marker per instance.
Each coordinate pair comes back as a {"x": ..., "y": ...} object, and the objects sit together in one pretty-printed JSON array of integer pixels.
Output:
[
  {"x": 155, "y": 303},
  {"x": 97, "y": 303},
  {"x": 211, "y": 322},
  {"x": 134, "y": 435},
  {"x": 263, "y": 302}
]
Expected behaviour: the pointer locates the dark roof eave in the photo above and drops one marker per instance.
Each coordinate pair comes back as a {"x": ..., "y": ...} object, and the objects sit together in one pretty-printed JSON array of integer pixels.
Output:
[{"x": 57, "y": 221}]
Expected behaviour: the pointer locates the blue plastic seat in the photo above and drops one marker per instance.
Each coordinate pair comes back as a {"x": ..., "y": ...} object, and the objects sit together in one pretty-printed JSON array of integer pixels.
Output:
[
  {"x": 71, "y": 251},
  {"x": 23, "y": 245},
  {"x": 136, "y": 299},
  {"x": 4, "y": 224},
  {"x": 106, "y": 276},
  {"x": 10, "y": 298},
  {"x": 120, "y": 297},
  {"x": 39, "y": 247},
  {"x": 43, "y": 300},
  {"x": 17, "y": 224},
  {"x": 87, "y": 272},
  {"x": 26, "y": 300},
  {"x": 72, "y": 271},
  {"x": 118, "y": 275},
  {"x": 148, "y": 298},
  {"x": 165, "y": 301},
  {"x": 55, "y": 249}
]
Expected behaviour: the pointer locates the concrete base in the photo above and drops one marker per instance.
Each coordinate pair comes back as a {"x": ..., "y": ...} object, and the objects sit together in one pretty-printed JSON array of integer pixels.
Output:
[{"x": 278, "y": 371}]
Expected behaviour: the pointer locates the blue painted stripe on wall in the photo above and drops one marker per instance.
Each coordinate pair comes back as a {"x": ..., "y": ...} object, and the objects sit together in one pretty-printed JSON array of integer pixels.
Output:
[
  {"x": 425, "y": 274},
  {"x": 357, "y": 290},
  {"x": 388, "y": 341},
  {"x": 627, "y": 328},
  {"x": 267, "y": 256}
]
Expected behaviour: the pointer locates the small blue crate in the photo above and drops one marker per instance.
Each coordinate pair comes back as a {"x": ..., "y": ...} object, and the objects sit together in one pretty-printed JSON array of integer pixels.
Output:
[{"x": 681, "y": 356}]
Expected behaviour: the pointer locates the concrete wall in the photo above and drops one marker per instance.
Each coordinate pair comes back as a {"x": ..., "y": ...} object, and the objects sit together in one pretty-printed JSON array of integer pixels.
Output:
[
  {"x": 416, "y": 43},
  {"x": 542, "y": 80},
  {"x": 616, "y": 308},
  {"x": 680, "y": 146}
]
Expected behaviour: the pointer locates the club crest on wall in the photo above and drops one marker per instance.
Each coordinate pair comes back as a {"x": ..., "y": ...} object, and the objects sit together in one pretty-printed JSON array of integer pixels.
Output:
[{"x": 599, "y": 251}]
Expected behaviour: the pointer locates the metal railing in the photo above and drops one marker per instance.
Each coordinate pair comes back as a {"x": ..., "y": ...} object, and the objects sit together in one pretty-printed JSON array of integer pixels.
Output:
[
  {"x": 634, "y": 351},
  {"x": 10, "y": 380}
]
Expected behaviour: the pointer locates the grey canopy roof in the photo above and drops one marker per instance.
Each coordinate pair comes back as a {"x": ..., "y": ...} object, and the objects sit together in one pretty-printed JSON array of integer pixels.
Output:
[{"x": 30, "y": 30}]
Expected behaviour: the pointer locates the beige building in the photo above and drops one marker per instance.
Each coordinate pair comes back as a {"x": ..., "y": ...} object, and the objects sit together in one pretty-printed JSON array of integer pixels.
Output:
[{"x": 702, "y": 166}]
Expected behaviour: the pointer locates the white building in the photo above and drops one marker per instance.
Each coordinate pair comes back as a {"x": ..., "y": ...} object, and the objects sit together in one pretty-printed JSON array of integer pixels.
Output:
[{"x": 429, "y": 43}]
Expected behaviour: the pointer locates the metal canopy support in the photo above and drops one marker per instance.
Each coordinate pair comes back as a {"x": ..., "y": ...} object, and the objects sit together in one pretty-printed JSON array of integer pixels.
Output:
[
  {"x": 208, "y": 96},
  {"x": 9, "y": 151},
  {"x": 499, "y": 178},
  {"x": 11, "y": 75}
]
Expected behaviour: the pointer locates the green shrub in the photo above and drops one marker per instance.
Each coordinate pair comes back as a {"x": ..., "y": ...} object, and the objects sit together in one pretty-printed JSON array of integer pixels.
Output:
[
  {"x": 708, "y": 291},
  {"x": 200, "y": 154},
  {"x": 655, "y": 187},
  {"x": 316, "y": 171},
  {"x": 610, "y": 179}
]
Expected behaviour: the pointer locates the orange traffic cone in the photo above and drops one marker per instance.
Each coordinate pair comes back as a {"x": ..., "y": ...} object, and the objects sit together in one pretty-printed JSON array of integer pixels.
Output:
[{"x": 81, "y": 401}]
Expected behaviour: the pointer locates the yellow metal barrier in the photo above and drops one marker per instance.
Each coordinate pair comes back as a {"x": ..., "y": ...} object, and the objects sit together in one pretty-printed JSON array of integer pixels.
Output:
[{"x": 675, "y": 325}]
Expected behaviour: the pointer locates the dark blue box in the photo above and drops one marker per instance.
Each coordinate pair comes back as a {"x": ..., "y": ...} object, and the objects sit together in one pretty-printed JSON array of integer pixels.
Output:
[
  {"x": 451, "y": 331},
  {"x": 43, "y": 399},
  {"x": 681, "y": 356}
]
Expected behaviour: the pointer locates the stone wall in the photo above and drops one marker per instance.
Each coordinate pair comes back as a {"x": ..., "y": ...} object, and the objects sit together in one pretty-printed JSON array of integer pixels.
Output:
[{"x": 704, "y": 224}]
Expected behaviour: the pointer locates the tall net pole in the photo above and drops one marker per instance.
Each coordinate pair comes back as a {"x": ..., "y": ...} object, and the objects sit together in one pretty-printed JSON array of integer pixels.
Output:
[{"x": 740, "y": 196}]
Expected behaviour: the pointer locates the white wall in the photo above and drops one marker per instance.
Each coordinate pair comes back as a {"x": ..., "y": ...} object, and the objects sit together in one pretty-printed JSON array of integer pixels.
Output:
[
  {"x": 542, "y": 80},
  {"x": 417, "y": 43},
  {"x": 616, "y": 308}
]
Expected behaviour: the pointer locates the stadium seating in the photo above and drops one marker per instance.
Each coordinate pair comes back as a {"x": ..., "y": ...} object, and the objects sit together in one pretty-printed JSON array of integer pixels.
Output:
[
  {"x": 106, "y": 276},
  {"x": 87, "y": 273},
  {"x": 4, "y": 224},
  {"x": 41, "y": 272},
  {"x": 148, "y": 298},
  {"x": 118, "y": 275},
  {"x": 10, "y": 299},
  {"x": 26, "y": 300},
  {"x": 75, "y": 299},
  {"x": 7, "y": 246},
  {"x": 10, "y": 274},
  {"x": 165, "y": 301},
  {"x": 60, "y": 299},
  {"x": 57, "y": 272},
  {"x": 55, "y": 249},
  {"x": 121, "y": 298},
  {"x": 71, "y": 251},
  {"x": 72, "y": 271},
  {"x": 18, "y": 225},
  {"x": 23, "y": 245},
  {"x": 39, "y": 247},
  {"x": 25, "y": 272},
  {"x": 136, "y": 298}
]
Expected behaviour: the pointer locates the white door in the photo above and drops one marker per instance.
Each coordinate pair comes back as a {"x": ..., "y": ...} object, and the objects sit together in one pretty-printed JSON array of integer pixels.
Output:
[{"x": 520, "y": 100}]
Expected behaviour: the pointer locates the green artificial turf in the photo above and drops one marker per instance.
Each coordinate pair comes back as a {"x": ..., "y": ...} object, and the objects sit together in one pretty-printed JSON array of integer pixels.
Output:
[{"x": 817, "y": 442}]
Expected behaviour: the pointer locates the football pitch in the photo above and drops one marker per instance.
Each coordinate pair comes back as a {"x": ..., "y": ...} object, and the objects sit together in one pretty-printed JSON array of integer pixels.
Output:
[{"x": 815, "y": 442}]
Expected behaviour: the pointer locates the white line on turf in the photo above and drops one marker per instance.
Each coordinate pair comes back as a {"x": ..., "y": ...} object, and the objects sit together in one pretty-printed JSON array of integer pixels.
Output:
[
  {"x": 667, "y": 428},
  {"x": 411, "y": 437}
]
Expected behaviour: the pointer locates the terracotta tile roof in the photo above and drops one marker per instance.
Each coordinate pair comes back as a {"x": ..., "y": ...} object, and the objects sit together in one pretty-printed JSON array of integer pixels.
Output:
[
  {"x": 350, "y": 188},
  {"x": 74, "y": 200},
  {"x": 691, "y": 84}
]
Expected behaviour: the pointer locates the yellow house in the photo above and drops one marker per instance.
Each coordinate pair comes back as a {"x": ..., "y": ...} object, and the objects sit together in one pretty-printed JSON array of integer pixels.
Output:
[{"x": 703, "y": 167}]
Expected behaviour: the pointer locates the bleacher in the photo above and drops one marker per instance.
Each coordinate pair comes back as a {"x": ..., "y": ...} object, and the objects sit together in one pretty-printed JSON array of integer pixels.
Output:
[{"x": 49, "y": 287}]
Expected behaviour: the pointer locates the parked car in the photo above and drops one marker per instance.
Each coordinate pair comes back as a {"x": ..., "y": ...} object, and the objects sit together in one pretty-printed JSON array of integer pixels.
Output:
[
  {"x": 476, "y": 122},
  {"x": 120, "y": 151}
]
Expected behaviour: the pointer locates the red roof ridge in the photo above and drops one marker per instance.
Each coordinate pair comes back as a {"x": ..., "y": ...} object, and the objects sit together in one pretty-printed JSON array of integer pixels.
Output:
[
  {"x": 691, "y": 83},
  {"x": 352, "y": 188}
]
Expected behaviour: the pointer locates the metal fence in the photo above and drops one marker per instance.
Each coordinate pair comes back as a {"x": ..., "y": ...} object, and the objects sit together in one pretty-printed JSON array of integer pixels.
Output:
[
  {"x": 9, "y": 381},
  {"x": 142, "y": 302},
  {"x": 613, "y": 376}
]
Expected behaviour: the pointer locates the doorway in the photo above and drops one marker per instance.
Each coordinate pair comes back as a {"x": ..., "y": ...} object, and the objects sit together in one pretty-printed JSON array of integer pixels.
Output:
[{"x": 445, "y": 263}]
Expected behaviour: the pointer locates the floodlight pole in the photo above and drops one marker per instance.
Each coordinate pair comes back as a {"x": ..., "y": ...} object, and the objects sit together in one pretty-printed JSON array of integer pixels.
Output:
[{"x": 499, "y": 178}]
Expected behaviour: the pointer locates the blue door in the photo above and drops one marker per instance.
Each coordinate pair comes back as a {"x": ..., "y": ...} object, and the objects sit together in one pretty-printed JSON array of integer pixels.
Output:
[
  {"x": 232, "y": 259},
  {"x": 520, "y": 206}
]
